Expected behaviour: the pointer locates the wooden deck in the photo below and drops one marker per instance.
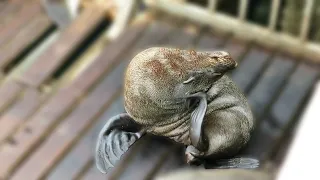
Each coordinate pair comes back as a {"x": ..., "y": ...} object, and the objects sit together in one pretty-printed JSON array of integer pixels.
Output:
[{"x": 58, "y": 88}]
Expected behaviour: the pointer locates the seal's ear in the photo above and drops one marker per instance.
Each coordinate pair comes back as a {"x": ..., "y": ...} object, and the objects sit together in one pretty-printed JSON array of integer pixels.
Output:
[
  {"x": 115, "y": 138},
  {"x": 198, "y": 75},
  {"x": 197, "y": 117}
]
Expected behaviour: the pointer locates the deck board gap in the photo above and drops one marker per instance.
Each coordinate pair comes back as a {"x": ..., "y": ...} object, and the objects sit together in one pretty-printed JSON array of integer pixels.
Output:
[
  {"x": 254, "y": 81},
  {"x": 85, "y": 45},
  {"x": 279, "y": 92},
  {"x": 27, "y": 50}
]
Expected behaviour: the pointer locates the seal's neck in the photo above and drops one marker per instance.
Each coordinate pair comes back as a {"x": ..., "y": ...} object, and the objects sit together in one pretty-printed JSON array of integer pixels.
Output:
[{"x": 217, "y": 87}]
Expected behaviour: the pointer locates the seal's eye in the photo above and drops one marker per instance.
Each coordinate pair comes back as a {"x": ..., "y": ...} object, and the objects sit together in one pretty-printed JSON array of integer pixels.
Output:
[{"x": 212, "y": 56}]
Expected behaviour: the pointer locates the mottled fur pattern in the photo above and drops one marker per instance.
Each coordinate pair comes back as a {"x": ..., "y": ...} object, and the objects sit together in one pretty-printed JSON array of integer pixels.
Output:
[{"x": 155, "y": 97}]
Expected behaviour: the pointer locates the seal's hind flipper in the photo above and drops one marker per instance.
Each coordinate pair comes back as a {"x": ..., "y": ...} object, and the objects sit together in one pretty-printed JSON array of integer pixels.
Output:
[
  {"x": 115, "y": 138},
  {"x": 237, "y": 162}
]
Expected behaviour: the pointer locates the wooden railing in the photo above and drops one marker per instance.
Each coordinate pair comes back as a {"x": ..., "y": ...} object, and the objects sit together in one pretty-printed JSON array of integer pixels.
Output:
[{"x": 299, "y": 45}]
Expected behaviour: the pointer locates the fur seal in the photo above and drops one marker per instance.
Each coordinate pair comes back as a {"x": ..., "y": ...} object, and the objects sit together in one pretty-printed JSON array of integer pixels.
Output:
[{"x": 183, "y": 95}]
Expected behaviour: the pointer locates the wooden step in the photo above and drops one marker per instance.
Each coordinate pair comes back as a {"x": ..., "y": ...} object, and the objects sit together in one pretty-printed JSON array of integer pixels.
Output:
[
  {"x": 52, "y": 113},
  {"x": 19, "y": 112},
  {"x": 70, "y": 39},
  {"x": 18, "y": 37}
]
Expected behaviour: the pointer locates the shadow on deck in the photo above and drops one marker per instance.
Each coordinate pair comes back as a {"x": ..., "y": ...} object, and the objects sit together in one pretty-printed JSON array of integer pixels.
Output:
[{"x": 50, "y": 116}]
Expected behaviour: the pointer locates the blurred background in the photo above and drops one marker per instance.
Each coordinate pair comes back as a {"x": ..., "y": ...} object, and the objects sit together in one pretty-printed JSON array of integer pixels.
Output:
[{"x": 61, "y": 76}]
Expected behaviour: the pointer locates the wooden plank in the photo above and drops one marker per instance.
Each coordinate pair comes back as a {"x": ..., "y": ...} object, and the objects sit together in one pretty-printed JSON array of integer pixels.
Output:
[
  {"x": 24, "y": 39},
  {"x": 6, "y": 9},
  {"x": 109, "y": 57},
  {"x": 10, "y": 10},
  {"x": 249, "y": 70},
  {"x": 175, "y": 161},
  {"x": 93, "y": 173},
  {"x": 41, "y": 124},
  {"x": 2, "y": 5},
  {"x": 28, "y": 12},
  {"x": 283, "y": 111},
  {"x": 61, "y": 103},
  {"x": 294, "y": 94},
  {"x": 269, "y": 84},
  {"x": 262, "y": 140},
  {"x": 66, "y": 134},
  {"x": 8, "y": 92},
  {"x": 236, "y": 49},
  {"x": 121, "y": 165},
  {"x": 82, "y": 153},
  {"x": 180, "y": 39},
  {"x": 68, "y": 42},
  {"x": 145, "y": 160},
  {"x": 18, "y": 113},
  {"x": 209, "y": 42},
  {"x": 155, "y": 33}
]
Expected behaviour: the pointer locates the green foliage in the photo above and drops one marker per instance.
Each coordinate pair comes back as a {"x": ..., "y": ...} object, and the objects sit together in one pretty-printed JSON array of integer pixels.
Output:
[
  {"x": 316, "y": 22},
  {"x": 290, "y": 14}
]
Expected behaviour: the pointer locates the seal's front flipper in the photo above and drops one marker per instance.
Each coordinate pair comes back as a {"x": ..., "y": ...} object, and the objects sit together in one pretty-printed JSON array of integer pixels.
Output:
[
  {"x": 197, "y": 117},
  {"x": 237, "y": 162},
  {"x": 115, "y": 138},
  {"x": 192, "y": 156}
]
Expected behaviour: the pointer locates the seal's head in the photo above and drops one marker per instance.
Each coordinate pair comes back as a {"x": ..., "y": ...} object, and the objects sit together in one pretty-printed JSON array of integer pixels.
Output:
[{"x": 167, "y": 75}]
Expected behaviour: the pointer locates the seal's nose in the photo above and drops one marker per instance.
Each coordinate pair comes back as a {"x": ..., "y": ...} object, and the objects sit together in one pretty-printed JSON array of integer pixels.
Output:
[{"x": 223, "y": 61}]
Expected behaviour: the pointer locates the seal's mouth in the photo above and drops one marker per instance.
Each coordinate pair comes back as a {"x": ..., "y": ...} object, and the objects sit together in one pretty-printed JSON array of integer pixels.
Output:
[
  {"x": 224, "y": 66},
  {"x": 216, "y": 71}
]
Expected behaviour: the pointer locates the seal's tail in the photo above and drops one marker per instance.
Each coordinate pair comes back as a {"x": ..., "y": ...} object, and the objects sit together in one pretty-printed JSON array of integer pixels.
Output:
[{"x": 237, "y": 162}]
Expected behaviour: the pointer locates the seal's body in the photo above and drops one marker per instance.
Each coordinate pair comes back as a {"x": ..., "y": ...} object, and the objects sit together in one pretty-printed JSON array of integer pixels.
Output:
[
  {"x": 185, "y": 96},
  {"x": 154, "y": 97}
]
